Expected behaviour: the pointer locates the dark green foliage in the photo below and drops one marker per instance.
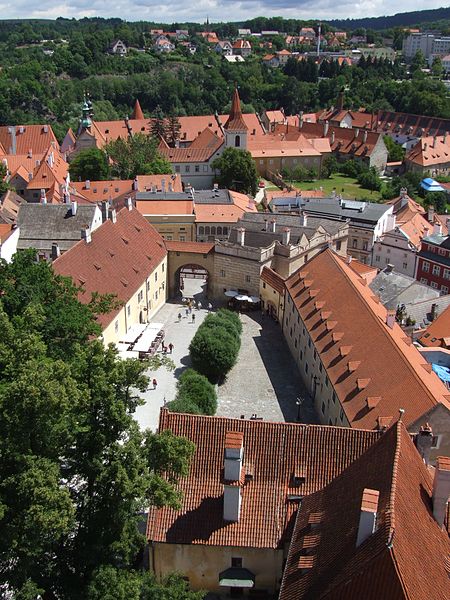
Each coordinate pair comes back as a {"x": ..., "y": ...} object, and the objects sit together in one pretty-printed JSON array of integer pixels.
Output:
[
  {"x": 329, "y": 166},
  {"x": 237, "y": 171},
  {"x": 137, "y": 155},
  {"x": 91, "y": 164},
  {"x": 75, "y": 470},
  {"x": 194, "y": 393},
  {"x": 3, "y": 184},
  {"x": 351, "y": 168},
  {"x": 369, "y": 179},
  {"x": 436, "y": 199},
  {"x": 396, "y": 152},
  {"x": 215, "y": 346}
]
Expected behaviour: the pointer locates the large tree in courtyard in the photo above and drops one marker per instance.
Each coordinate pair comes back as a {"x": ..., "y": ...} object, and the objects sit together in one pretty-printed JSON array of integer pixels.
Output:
[
  {"x": 91, "y": 164},
  {"x": 237, "y": 171},
  {"x": 76, "y": 471},
  {"x": 136, "y": 155}
]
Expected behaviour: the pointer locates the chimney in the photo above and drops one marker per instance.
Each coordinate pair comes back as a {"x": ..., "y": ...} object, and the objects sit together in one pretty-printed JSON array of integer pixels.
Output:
[
  {"x": 430, "y": 216},
  {"x": 434, "y": 141},
  {"x": 273, "y": 225},
  {"x": 87, "y": 184},
  {"x": 368, "y": 515},
  {"x": 325, "y": 128},
  {"x": 30, "y": 153},
  {"x": 424, "y": 440},
  {"x": 390, "y": 318},
  {"x": 266, "y": 225},
  {"x": 51, "y": 160},
  {"x": 86, "y": 235},
  {"x": 333, "y": 137},
  {"x": 170, "y": 186},
  {"x": 437, "y": 228},
  {"x": 105, "y": 211},
  {"x": 356, "y": 132},
  {"x": 129, "y": 203},
  {"x": 113, "y": 215},
  {"x": 286, "y": 236},
  {"x": 349, "y": 260},
  {"x": 300, "y": 120},
  {"x": 135, "y": 184},
  {"x": 365, "y": 137},
  {"x": 43, "y": 197},
  {"x": 163, "y": 185},
  {"x": 74, "y": 207},
  {"x": 234, "y": 454},
  {"x": 425, "y": 146},
  {"x": 303, "y": 219},
  {"x": 241, "y": 236},
  {"x": 55, "y": 251},
  {"x": 441, "y": 488}
]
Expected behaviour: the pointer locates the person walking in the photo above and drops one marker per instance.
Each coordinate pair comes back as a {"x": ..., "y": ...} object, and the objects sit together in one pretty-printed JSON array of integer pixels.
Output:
[
  {"x": 199, "y": 305},
  {"x": 190, "y": 308},
  {"x": 193, "y": 317},
  {"x": 170, "y": 347},
  {"x": 209, "y": 307},
  {"x": 179, "y": 316},
  {"x": 187, "y": 311},
  {"x": 155, "y": 383}
]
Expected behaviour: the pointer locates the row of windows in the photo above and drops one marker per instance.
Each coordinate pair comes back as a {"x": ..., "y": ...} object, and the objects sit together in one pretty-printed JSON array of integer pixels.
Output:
[
  {"x": 213, "y": 230},
  {"x": 434, "y": 285},
  {"x": 187, "y": 168},
  {"x": 355, "y": 244},
  {"x": 436, "y": 270}
]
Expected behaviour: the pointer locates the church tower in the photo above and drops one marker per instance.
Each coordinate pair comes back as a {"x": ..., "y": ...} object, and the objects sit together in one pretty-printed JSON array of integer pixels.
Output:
[{"x": 236, "y": 130}]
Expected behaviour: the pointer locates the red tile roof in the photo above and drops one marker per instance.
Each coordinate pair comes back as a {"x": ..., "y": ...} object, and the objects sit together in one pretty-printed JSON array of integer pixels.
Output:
[
  {"x": 235, "y": 121},
  {"x": 196, "y": 247},
  {"x": 439, "y": 329},
  {"x": 273, "y": 453},
  {"x": 165, "y": 207},
  {"x": 376, "y": 352},
  {"x": 37, "y": 138},
  {"x": 430, "y": 151},
  {"x": 118, "y": 260},
  {"x": 403, "y": 559},
  {"x": 273, "y": 279}
]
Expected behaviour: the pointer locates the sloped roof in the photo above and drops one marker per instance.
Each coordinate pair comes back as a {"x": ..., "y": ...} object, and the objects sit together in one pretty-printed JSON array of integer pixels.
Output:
[
  {"x": 437, "y": 331},
  {"x": 10, "y": 203},
  {"x": 235, "y": 121},
  {"x": 118, "y": 260},
  {"x": 403, "y": 559},
  {"x": 410, "y": 124},
  {"x": 137, "y": 111},
  {"x": 53, "y": 169},
  {"x": 395, "y": 288},
  {"x": 393, "y": 368},
  {"x": 273, "y": 453},
  {"x": 184, "y": 206},
  {"x": 37, "y": 138},
  {"x": 273, "y": 279},
  {"x": 346, "y": 140},
  {"x": 430, "y": 151}
]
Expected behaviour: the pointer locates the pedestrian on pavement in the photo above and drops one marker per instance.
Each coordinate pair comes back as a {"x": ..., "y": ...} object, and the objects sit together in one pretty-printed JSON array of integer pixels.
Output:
[
  {"x": 199, "y": 305},
  {"x": 187, "y": 312},
  {"x": 179, "y": 316},
  {"x": 209, "y": 307},
  {"x": 193, "y": 317},
  {"x": 155, "y": 383},
  {"x": 170, "y": 347},
  {"x": 164, "y": 349},
  {"x": 190, "y": 308}
]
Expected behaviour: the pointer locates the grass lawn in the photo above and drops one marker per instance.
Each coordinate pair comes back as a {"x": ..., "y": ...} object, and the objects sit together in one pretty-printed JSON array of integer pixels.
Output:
[{"x": 346, "y": 186}]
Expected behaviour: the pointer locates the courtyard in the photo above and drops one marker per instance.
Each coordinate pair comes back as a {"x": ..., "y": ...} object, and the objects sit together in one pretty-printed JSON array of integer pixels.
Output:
[{"x": 264, "y": 383}]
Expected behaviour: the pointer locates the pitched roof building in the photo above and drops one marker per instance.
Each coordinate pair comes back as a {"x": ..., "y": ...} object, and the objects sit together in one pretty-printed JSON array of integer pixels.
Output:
[{"x": 358, "y": 364}]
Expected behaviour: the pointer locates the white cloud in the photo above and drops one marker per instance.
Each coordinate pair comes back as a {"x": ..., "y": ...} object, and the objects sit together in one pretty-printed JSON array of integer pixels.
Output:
[{"x": 216, "y": 10}]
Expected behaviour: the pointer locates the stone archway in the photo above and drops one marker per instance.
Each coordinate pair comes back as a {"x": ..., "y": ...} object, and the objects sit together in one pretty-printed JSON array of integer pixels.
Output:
[{"x": 191, "y": 281}]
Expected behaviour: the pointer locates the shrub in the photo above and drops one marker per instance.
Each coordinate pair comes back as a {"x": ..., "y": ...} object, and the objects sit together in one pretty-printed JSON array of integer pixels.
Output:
[
  {"x": 351, "y": 168},
  {"x": 194, "y": 389},
  {"x": 213, "y": 352},
  {"x": 181, "y": 405},
  {"x": 214, "y": 322},
  {"x": 232, "y": 317}
]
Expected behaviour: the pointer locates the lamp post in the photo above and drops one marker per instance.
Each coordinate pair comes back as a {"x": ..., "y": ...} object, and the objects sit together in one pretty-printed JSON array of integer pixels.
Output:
[{"x": 299, "y": 403}]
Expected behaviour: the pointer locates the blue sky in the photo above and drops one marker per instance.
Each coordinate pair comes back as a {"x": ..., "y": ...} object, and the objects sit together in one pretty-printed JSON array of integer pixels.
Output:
[{"x": 216, "y": 10}]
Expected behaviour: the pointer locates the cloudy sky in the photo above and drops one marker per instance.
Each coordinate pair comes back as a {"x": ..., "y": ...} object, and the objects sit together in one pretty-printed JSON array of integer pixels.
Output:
[{"x": 216, "y": 10}]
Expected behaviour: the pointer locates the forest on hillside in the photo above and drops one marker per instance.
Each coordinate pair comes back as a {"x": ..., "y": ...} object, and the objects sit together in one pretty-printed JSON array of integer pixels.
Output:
[{"x": 47, "y": 66}]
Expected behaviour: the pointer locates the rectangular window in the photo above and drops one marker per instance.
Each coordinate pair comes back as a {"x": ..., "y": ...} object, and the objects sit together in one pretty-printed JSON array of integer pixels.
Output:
[
  {"x": 377, "y": 258},
  {"x": 434, "y": 285},
  {"x": 163, "y": 267},
  {"x": 128, "y": 310},
  {"x": 323, "y": 408},
  {"x": 306, "y": 367},
  {"x": 424, "y": 280},
  {"x": 446, "y": 274},
  {"x": 341, "y": 415},
  {"x": 116, "y": 326},
  {"x": 177, "y": 168},
  {"x": 247, "y": 278},
  {"x": 425, "y": 266},
  {"x": 405, "y": 265},
  {"x": 222, "y": 273},
  {"x": 436, "y": 270},
  {"x": 156, "y": 276},
  {"x": 354, "y": 243},
  {"x": 442, "y": 251},
  {"x": 182, "y": 238},
  {"x": 197, "y": 168},
  {"x": 140, "y": 296},
  {"x": 264, "y": 284},
  {"x": 444, "y": 289},
  {"x": 338, "y": 246},
  {"x": 334, "y": 397},
  {"x": 187, "y": 169},
  {"x": 365, "y": 246},
  {"x": 205, "y": 168}
]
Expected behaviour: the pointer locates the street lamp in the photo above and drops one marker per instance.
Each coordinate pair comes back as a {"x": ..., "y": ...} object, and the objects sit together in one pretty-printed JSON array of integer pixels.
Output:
[{"x": 299, "y": 403}]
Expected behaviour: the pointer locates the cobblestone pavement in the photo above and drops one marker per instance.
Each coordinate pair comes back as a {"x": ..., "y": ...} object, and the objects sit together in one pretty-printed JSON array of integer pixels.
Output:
[{"x": 265, "y": 380}]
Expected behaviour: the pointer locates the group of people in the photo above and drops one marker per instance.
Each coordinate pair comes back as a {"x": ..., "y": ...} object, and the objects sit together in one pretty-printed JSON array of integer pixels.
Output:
[
  {"x": 169, "y": 347},
  {"x": 191, "y": 304}
]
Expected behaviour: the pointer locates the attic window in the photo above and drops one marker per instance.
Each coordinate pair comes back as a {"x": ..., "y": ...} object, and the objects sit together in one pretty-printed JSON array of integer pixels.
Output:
[
  {"x": 95, "y": 190},
  {"x": 298, "y": 479},
  {"x": 137, "y": 228},
  {"x": 82, "y": 279},
  {"x": 116, "y": 189},
  {"x": 142, "y": 128},
  {"x": 135, "y": 269},
  {"x": 124, "y": 281},
  {"x": 125, "y": 240},
  {"x": 97, "y": 266},
  {"x": 106, "y": 130},
  {"x": 149, "y": 257},
  {"x": 111, "y": 252}
]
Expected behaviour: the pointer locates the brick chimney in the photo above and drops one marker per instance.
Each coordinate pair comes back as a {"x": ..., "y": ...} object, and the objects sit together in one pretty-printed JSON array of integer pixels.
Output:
[
  {"x": 286, "y": 236},
  {"x": 241, "y": 236},
  {"x": 430, "y": 215},
  {"x": 74, "y": 207},
  {"x": 86, "y": 235},
  {"x": 424, "y": 440},
  {"x": 234, "y": 455},
  {"x": 273, "y": 225},
  {"x": 441, "y": 488},
  {"x": 55, "y": 251},
  {"x": 129, "y": 203},
  {"x": 368, "y": 515},
  {"x": 390, "y": 318}
]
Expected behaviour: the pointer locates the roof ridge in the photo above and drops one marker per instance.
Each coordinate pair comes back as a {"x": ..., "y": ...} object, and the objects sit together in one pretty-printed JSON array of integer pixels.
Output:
[
  {"x": 391, "y": 505},
  {"x": 396, "y": 345}
]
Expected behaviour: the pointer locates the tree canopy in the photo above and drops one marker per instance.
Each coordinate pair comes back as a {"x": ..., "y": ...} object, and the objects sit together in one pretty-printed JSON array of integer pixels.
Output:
[
  {"x": 76, "y": 471},
  {"x": 237, "y": 171},
  {"x": 136, "y": 155},
  {"x": 91, "y": 163}
]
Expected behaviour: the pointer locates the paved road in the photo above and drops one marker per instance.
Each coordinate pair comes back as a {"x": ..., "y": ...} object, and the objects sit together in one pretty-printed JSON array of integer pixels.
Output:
[{"x": 265, "y": 380}]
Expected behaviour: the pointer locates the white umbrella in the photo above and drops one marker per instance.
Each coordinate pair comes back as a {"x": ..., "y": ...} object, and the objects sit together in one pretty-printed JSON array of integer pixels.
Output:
[
  {"x": 231, "y": 293},
  {"x": 243, "y": 298},
  {"x": 254, "y": 299}
]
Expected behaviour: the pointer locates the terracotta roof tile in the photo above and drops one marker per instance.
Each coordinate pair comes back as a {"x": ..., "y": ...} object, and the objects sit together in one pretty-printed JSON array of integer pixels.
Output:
[
  {"x": 37, "y": 138},
  {"x": 165, "y": 207},
  {"x": 394, "y": 370},
  {"x": 273, "y": 279},
  {"x": 437, "y": 331},
  {"x": 196, "y": 247},
  {"x": 273, "y": 452},
  {"x": 144, "y": 249}
]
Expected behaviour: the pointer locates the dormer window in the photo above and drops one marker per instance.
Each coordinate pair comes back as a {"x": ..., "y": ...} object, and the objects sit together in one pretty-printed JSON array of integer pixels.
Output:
[{"x": 237, "y": 141}]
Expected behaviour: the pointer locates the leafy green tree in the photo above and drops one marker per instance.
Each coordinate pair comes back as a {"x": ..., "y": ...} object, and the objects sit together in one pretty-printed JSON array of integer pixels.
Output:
[
  {"x": 91, "y": 164},
  {"x": 396, "y": 152},
  {"x": 194, "y": 389},
  {"x": 437, "y": 199},
  {"x": 419, "y": 61},
  {"x": 437, "y": 68},
  {"x": 137, "y": 155},
  {"x": 370, "y": 179},
  {"x": 237, "y": 171},
  {"x": 3, "y": 183},
  {"x": 329, "y": 166},
  {"x": 158, "y": 127},
  {"x": 173, "y": 128},
  {"x": 76, "y": 471}
]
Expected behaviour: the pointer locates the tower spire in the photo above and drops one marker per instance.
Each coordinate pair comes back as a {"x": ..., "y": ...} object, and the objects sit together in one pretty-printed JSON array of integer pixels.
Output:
[
  {"x": 235, "y": 120},
  {"x": 137, "y": 111}
]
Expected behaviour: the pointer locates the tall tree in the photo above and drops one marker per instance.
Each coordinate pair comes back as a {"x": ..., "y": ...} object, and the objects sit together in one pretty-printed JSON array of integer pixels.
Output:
[
  {"x": 173, "y": 128},
  {"x": 91, "y": 164},
  {"x": 237, "y": 171},
  {"x": 158, "y": 126},
  {"x": 137, "y": 155}
]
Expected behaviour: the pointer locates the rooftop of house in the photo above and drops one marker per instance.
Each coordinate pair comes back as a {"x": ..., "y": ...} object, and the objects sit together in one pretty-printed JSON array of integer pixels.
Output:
[
  {"x": 20, "y": 139},
  {"x": 117, "y": 260},
  {"x": 394, "y": 288},
  {"x": 438, "y": 333},
  {"x": 158, "y": 206},
  {"x": 431, "y": 150},
  {"x": 405, "y": 556},
  {"x": 410, "y": 124},
  {"x": 10, "y": 203},
  {"x": 362, "y": 213},
  {"x": 195, "y": 247},
  {"x": 5, "y": 231},
  {"x": 346, "y": 322},
  {"x": 274, "y": 453},
  {"x": 42, "y": 224},
  {"x": 275, "y": 280}
]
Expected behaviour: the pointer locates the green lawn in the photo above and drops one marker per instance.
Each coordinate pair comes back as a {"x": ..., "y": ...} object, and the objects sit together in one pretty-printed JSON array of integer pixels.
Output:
[{"x": 346, "y": 186}]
